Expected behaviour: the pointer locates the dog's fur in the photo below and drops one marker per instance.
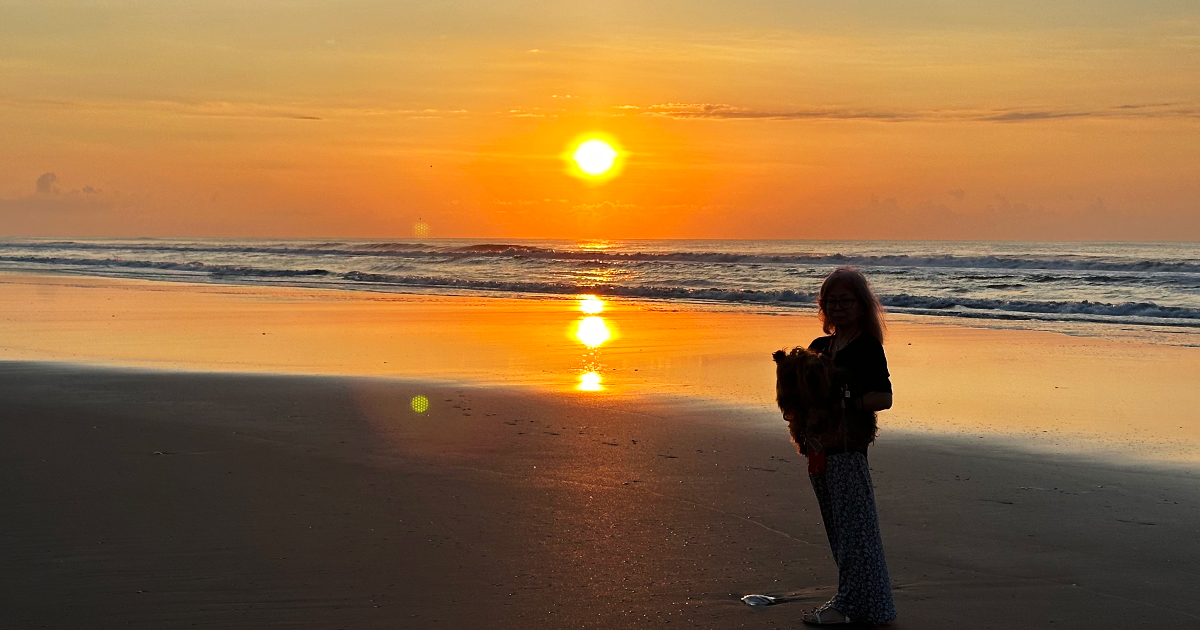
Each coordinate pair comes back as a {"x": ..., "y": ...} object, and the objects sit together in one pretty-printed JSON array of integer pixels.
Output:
[{"x": 807, "y": 388}]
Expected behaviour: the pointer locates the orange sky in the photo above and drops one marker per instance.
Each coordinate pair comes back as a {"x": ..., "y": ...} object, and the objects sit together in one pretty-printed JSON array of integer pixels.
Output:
[{"x": 759, "y": 119}]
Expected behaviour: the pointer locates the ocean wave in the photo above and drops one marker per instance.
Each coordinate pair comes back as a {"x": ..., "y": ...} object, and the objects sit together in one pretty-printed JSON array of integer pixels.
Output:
[
  {"x": 371, "y": 247},
  {"x": 949, "y": 300},
  {"x": 1083, "y": 307},
  {"x": 196, "y": 267},
  {"x": 503, "y": 250},
  {"x": 235, "y": 270},
  {"x": 566, "y": 288},
  {"x": 517, "y": 251},
  {"x": 785, "y": 297}
]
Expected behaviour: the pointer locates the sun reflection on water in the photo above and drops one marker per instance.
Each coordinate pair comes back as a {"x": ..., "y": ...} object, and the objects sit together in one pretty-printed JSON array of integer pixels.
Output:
[
  {"x": 598, "y": 274},
  {"x": 591, "y": 304}
]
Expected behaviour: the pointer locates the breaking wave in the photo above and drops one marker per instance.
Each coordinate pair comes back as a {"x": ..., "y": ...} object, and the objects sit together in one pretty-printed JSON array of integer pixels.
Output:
[
  {"x": 507, "y": 250},
  {"x": 199, "y": 267},
  {"x": 561, "y": 288},
  {"x": 1134, "y": 284},
  {"x": 788, "y": 297}
]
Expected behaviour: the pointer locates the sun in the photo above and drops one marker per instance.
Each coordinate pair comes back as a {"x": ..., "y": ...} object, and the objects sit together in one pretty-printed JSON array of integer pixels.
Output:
[{"x": 594, "y": 157}]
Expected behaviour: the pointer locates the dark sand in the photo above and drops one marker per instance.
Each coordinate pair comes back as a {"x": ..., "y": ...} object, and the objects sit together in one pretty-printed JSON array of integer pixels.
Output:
[{"x": 172, "y": 500}]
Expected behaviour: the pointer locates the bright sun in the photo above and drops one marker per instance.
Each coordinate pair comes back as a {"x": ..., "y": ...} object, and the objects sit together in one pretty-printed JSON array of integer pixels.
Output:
[{"x": 595, "y": 157}]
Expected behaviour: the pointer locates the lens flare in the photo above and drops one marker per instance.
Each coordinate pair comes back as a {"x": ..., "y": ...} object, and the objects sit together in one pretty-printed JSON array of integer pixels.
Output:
[
  {"x": 420, "y": 404},
  {"x": 591, "y": 304},
  {"x": 592, "y": 331},
  {"x": 589, "y": 382}
]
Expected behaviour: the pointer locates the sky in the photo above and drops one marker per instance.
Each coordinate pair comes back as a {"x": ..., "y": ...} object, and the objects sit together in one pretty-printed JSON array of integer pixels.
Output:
[{"x": 859, "y": 119}]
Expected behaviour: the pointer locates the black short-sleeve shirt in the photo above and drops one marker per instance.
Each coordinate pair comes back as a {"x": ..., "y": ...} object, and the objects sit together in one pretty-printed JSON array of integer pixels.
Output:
[{"x": 864, "y": 358}]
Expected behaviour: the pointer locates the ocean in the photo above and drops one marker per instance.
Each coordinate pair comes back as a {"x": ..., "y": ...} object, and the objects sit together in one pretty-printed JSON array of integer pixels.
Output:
[{"x": 1144, "y": 290}]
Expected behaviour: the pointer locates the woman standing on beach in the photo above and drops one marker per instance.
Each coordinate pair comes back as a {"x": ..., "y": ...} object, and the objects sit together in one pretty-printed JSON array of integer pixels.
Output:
[{"x": 853, "y": 318}]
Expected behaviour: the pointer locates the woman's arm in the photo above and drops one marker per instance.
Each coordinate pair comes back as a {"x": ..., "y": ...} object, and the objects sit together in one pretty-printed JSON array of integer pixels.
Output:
[{"x": 875, "y": 401}]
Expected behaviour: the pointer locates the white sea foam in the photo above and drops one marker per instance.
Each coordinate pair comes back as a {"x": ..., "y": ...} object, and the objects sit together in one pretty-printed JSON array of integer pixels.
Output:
[
  {"x": 502, "y": 250},
  {"x": 1129, "y": 284}
]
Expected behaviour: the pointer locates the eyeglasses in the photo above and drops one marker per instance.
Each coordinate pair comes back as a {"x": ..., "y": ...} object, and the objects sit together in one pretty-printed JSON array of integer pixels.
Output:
[{"x": 830, "y": 304}]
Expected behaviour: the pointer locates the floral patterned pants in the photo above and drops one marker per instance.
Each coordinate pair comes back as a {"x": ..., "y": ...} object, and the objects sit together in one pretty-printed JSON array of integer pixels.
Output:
[{"x": 848, "y": 509}]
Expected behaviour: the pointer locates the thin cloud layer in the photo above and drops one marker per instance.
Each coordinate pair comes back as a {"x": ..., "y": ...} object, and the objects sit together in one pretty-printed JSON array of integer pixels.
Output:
[
  {"x": 679, "y": 111},
  {"x": 229, "y": 109},
  {"x": 724, "y": 111}
]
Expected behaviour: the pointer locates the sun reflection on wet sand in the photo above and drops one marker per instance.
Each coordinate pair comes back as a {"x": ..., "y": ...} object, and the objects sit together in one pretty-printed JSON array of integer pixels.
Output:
[
  {"x": 703, "y": 355},
  {"x": 590, "y": 382},
  {"x": 592, "y": 331}
]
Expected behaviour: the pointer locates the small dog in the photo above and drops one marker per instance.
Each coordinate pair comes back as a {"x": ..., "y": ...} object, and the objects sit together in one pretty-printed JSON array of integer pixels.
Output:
[{"x": 808, "y": 389}]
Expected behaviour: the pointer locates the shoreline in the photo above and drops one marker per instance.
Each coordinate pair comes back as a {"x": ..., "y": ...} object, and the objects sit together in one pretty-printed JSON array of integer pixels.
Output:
[
  {"x": 1166, "y": 332},
  {"x": 259, "y": 500},
  {"x": 1059, "y": 393},
  {"x": 996, "y": 280}
]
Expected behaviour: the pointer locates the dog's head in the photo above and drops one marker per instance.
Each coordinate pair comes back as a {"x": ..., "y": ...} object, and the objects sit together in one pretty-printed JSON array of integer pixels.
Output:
[{"x": 802, "y": 382}]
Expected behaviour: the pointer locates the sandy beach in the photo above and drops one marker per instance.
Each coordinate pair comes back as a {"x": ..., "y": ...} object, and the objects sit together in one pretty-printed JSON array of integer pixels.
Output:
[
  {"x": 215, "y": 456},
  {"x": 379, "y": 315}
]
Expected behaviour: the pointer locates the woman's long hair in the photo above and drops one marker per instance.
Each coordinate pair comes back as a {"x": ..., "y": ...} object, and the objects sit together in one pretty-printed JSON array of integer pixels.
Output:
[{"x": 871, "y": 320}]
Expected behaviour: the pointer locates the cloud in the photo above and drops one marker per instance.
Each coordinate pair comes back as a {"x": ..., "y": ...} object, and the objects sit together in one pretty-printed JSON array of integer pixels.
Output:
[
  {"x": 1034, "y": 115},
  {"x": 235, "y": 110},
  {"x": 45, "y": 184},
  {"x": 529, "y": 113},
  {"x": 47, "y": 197},
  {"x": 306, "y": 111},
  {"x": 215, "y": 109},
  {"x": 1135, "y": 111},
  {"x": 520, "y": 202},
  {"x": 49, "y": 208},
  {"x": 606, "y": 207},
  {"x": 725, "y": 111}
]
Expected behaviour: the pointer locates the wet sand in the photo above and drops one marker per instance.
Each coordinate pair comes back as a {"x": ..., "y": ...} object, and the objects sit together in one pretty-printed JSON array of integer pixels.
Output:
[
  {"x": 1041, "y": 391},
  {"x": 178, "y": 455},
  {"x": 150, "y": 500}
]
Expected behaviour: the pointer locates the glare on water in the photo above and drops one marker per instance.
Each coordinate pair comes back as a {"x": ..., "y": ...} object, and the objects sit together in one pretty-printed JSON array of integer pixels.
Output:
[{"x": 591, "y": 304}]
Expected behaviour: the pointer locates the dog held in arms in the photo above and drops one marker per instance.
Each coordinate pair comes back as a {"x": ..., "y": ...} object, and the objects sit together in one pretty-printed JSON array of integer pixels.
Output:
[{"x": 811, "y": 394}]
